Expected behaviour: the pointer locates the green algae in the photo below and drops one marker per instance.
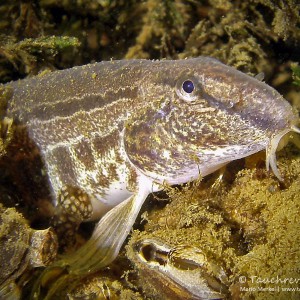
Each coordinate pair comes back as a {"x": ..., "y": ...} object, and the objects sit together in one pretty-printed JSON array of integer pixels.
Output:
[{"x": 296, "y": 74}]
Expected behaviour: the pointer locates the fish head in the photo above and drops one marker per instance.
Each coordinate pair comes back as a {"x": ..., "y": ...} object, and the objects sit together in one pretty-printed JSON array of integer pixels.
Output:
[{"x": 200, "y": 114}]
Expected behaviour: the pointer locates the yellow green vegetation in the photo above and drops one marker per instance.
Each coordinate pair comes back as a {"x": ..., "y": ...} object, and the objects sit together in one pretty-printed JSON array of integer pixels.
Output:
[
  {"x": 29, "y": 52},
  {"x": 250, "y": 35},
  {"x": 6, "y": 128},
  {"x": 296, "y": 74},
  {"x": 248, "y": 223}
]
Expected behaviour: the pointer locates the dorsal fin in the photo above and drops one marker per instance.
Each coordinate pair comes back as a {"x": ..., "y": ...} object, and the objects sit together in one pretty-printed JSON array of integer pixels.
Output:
[{"x": 260, "y": 76}]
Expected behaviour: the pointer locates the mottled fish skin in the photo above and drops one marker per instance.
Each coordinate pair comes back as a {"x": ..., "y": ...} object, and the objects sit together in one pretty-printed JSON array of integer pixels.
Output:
[
  {"x": 77, "y": 117},
  {"x": 118, "y": 129},
  {"x": 230, "y": 116}
]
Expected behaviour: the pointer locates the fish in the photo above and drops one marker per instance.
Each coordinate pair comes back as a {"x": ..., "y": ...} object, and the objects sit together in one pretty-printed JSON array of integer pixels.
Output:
[{"x": 113, "y": 132}]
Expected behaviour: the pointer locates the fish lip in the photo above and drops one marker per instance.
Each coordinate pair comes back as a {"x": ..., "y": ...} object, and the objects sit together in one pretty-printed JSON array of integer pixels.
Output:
[{"x": 273, "y": 145}]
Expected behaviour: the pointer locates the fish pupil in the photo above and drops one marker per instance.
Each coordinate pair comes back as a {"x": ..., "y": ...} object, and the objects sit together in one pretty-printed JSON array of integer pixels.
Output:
[{"x": 188, "y": 86}]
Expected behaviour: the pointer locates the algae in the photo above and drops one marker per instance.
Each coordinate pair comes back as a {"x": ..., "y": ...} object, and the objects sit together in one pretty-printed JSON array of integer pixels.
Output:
[
  {"x": 27, "y": 54},
  {"x": 6, "y": 128},
  {"x": 249, "y": 225},
  {"x": 253, "y": 35},
  {"x": 248, "y": 222},
  {"x": 296, "y": 73}
]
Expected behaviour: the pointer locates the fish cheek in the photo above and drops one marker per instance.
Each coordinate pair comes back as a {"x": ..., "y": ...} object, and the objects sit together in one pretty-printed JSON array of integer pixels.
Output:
[{"x": 140, "y": 144}]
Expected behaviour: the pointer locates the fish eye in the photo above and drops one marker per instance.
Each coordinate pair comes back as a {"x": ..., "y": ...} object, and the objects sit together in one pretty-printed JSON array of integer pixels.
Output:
[
  {"x": 187, "y": 89},
  {"x": 188, "y": 86}
]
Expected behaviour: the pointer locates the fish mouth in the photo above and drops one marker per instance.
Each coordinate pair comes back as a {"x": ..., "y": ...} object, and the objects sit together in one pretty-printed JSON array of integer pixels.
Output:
[{"x": 272, "y": 147}]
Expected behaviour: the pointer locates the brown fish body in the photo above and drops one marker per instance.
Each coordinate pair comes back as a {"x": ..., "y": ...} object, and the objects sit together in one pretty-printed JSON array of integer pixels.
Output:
[
  {"x": 117, "y": 130},
  {"x": 77, "y": 116}
]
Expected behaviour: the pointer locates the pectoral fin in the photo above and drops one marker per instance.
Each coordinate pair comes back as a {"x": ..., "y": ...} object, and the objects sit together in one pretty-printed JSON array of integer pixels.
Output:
[
  {"x": 108, "y": 237},
  {"x": 99, "y": 251}
]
